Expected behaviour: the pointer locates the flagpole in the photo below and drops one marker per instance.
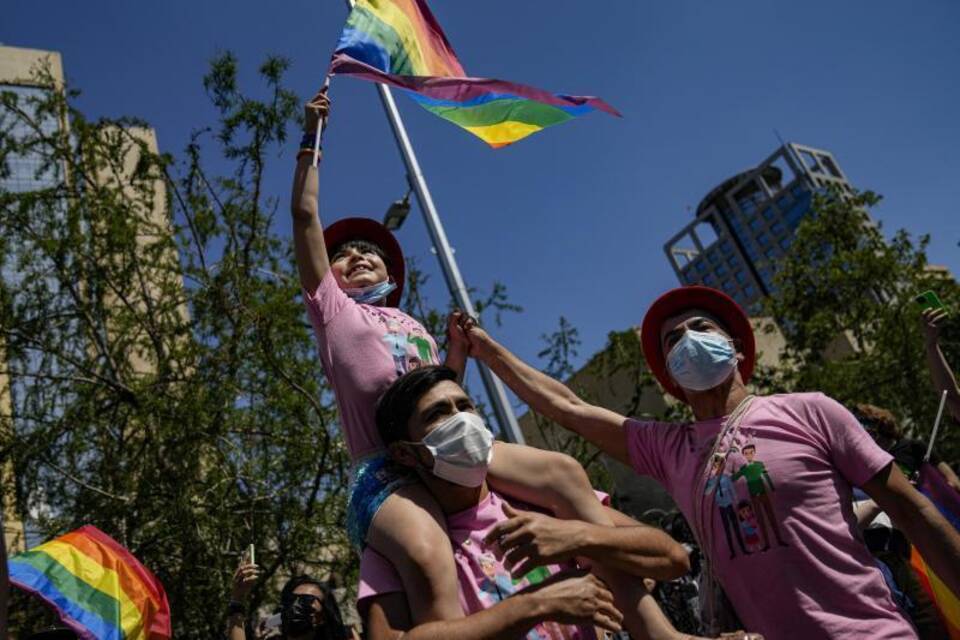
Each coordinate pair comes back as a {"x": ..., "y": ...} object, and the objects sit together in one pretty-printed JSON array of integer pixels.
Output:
[
  {"x": 936, "y": 426},
  {"x": 496, "y": 394}
]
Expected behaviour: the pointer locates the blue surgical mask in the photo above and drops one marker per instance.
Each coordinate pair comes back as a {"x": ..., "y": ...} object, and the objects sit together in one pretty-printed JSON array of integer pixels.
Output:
[
  {"x": 373, "y": 293},
  {"x": 701, "y": 361}
]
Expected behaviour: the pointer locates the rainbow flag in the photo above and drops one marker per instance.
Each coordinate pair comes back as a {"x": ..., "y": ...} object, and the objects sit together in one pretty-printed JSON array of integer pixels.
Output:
[
  {"x": 96, "y": 586},
  {"x": 400, "y": 43},
  {"x": 933, "y": 485}
]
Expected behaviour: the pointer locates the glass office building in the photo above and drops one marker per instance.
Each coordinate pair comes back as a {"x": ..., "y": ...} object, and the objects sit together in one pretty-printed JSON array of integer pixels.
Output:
[{"x": 744, "y": 225}]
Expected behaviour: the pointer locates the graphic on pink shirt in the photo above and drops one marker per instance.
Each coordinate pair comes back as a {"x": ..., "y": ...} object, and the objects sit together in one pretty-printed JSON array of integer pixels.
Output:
[
  {"x": 758, "y": 480},
  {"x": 748, "y": 525}
]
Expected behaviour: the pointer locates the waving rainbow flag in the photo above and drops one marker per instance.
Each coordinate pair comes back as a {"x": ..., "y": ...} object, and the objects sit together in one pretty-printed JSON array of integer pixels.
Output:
[
  {"x": 99, "y": 589},
  {"x": 400, "y": 43},
  {"x": 933, "y": 485}
]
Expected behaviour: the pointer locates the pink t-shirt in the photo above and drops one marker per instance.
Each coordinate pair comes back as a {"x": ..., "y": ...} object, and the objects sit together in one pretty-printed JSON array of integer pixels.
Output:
[
  {"x": 364, "y": 348},
  {"x": 777, "y": 519},
  {"x": 483, "y": 580}
]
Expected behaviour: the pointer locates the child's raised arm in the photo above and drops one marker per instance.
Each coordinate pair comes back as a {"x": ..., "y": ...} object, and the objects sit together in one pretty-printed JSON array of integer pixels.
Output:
[{"x": 309, "y": 248}]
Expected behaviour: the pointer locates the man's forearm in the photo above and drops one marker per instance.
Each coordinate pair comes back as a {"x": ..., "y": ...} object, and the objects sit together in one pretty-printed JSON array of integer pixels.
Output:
[
  {"x": 510, "y": 619},
  {"x": 936, "y": 540},
  {"x": 545, "y": 395},
  {"x": 638, "y": 550}
]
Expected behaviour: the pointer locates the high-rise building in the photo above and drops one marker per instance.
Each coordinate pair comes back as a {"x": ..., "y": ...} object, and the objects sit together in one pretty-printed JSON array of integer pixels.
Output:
[
  {"x": 17, "y": 67},
  {"x": 747, "y": 223},
  {"x": 27, "y": 172}
]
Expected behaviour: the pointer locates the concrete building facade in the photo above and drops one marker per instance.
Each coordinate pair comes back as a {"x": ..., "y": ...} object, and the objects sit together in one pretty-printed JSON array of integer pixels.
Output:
[{"x": 744, "y": 225}]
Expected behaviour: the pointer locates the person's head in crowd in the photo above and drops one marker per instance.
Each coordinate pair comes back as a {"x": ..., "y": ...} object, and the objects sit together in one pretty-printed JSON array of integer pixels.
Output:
[
  {"x": 879, "y": 423},
  {"x": 309, "y": 611},
  {"x": 366, "y": 260},
  {"x": 698, "y": 343},
  {"x": 431, "y": 425}
]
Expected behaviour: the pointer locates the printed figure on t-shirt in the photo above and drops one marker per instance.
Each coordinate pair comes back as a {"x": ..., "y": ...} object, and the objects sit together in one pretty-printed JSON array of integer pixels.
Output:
[
  {"x": 496, "y": 586},
  {"x": 396, "y": 339},
  {"x": 724, "y": 496},
  {"x": 748, "y": 524},
  {"x": 755, "y": 473},
  {"x": 423, "y": 348}
]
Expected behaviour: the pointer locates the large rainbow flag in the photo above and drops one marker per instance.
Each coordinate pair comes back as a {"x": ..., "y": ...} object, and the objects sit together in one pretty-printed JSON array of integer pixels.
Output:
[
  {"x": 98, "y": 588},
  {"x": 933, "y": 485},
  {"x": 400, "y": 43}
]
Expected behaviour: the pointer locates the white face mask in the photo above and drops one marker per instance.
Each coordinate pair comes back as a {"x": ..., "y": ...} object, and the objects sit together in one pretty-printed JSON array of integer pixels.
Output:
[
  {"x": 701, "y": 361},
  {"x": 462, "y": 448}
]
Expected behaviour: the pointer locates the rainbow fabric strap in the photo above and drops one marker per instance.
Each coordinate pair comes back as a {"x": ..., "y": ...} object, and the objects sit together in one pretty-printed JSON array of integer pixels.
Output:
[
  {"x": 400, "y": 43},
  {"x": 98, "y": 588}
]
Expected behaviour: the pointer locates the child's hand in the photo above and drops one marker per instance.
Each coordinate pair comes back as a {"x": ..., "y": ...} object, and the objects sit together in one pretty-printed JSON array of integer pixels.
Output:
[
  {"x": 457, "y": 341},
  {"x": 316, "y": 110}
]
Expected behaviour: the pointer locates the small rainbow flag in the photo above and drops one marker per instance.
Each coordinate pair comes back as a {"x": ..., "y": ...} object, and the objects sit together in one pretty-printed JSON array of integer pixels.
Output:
[
  {"x": 400, "y": 43},
  {"x": 98, "y": 588},
  {"x": 933, "y": 485}
]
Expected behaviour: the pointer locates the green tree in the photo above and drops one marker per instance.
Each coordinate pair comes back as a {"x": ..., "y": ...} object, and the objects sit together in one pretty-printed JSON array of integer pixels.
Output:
[
  {"x": 845, "y": 300},
  {"x": 164, "y": 384}
]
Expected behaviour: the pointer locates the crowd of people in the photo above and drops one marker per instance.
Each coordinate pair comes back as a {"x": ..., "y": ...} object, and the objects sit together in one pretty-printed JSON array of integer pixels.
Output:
[{"x": 795, "y": 513}]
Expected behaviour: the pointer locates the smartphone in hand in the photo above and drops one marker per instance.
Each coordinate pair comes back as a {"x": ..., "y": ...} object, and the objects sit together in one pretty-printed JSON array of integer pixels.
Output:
[{"x": 929, "y": 300}]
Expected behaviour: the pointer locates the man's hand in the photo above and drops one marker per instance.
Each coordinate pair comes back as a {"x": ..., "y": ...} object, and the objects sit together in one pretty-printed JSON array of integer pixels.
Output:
[
  {"x": 530, "y": 540},
  {"x": 578, "y": 598},
  {"x": 479, "y": 340},
  {"x": 316, "y": 110},
  {"x": 244, "y": 578}
]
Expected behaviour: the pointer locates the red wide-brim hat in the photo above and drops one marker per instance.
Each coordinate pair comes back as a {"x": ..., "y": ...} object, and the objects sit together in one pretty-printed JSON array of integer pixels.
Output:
[
  {"x": 717, "y": 304},
  {"x": 372, "y": 231}
]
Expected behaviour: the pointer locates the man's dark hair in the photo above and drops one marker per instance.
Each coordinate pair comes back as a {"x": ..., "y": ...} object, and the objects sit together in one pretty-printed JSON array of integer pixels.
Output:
[
  {"x": 363, "y": 246},
  {"x": 749, "y": 446},
  {"x": 397, "y": 403}
]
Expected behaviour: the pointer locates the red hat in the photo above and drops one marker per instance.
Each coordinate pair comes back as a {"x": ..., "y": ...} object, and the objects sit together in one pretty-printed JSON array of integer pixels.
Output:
[
  {"x": 372, "y": 231},
  {"x": 717, "y": 304}
]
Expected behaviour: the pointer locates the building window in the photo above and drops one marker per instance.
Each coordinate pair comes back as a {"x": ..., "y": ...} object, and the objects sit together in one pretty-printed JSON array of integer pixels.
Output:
[
  {"x": 726, "y": 246},
  {"x": 777, "y": 227},
  {"x": 763, "y": 239},
  {"x": 831, "y": 166},
  {"x": 750, "y": 290},
  {"x": 709, "y": 279},
  {"x": 701, "y": 265},
  {"x": 728, "y": 285},
  {"x": 771, "y": 253},
  {"x": 740, "y": 276},
  {"x": 785, "y": 243},
  {"x": 755, "y": 224},
  {"x": 783, "y": 201},
  {"x": 798, "y": 191},
  {"x": 721, "y": 270}
]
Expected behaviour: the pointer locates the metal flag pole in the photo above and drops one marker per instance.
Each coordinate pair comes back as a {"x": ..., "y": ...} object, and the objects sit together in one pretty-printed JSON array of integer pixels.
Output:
[
  {"x": 497, "y": 395},
  {"x": 936, "y": 426}
]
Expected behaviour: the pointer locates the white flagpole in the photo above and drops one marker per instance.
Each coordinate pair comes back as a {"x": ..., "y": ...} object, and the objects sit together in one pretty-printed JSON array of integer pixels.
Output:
[
  {"x": 936, "y": 426},
  {"x": 320, "y": 127}
]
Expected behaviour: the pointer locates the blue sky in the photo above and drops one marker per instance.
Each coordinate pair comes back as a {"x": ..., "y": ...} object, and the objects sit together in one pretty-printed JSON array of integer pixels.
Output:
[{"x": 572, "y": 220}]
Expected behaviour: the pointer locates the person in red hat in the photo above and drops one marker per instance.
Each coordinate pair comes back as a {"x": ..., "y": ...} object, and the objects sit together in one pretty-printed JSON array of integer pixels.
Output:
[
  {"x": 352, "y": 275},
  {"x": 814, "y": 577}
]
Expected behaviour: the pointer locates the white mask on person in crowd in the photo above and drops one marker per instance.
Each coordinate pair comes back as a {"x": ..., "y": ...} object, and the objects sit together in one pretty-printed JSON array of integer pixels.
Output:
[
  {"x": 701, "y": 360},
  {"x": 371, "y": 294},
  {"x": 462, "y": 448}
]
